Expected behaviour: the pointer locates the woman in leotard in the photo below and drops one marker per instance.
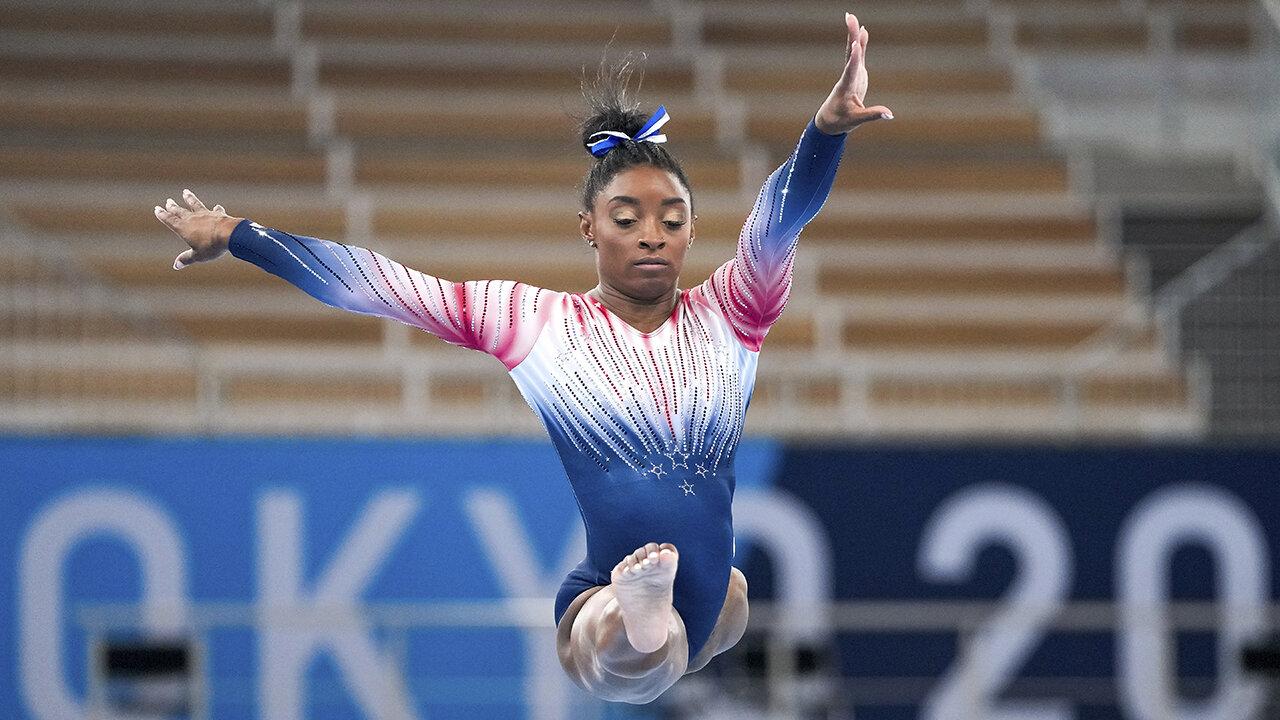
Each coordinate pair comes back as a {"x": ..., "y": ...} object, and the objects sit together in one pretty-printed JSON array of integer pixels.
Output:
[{"x": 641, "y": 386}]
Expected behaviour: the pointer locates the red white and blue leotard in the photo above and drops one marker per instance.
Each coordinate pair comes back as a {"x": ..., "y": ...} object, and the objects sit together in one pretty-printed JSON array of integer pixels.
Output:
[{"x": 646, "y": 424}]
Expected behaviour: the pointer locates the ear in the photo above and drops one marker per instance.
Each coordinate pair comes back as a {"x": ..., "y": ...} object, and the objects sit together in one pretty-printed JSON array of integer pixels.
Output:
[
  {"x": 692, "y": 220},
  {"x": 585, "y": 225}
]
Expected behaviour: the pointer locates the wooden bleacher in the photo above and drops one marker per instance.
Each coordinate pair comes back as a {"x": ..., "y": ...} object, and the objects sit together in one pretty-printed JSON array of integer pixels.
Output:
[{"x": 956, "y": 284}]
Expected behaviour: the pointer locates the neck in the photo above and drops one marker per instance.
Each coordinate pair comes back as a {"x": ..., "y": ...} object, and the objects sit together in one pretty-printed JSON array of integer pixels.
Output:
[{"x": 643, "y": 315}]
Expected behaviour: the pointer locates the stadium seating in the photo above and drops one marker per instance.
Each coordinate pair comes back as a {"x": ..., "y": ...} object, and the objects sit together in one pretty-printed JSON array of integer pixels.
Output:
[{"x": 959, "y": 281}]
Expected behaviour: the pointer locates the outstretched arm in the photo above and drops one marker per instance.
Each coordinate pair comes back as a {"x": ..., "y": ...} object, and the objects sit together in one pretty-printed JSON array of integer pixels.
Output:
[
  {"x": 501, "y": 318},
  {"x": 843, "y": 109},
  {"x": 752, "y": 289}
]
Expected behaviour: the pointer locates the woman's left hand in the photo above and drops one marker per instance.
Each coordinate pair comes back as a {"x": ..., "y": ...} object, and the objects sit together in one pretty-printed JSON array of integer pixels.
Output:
[{"x": 843, "y": 110}]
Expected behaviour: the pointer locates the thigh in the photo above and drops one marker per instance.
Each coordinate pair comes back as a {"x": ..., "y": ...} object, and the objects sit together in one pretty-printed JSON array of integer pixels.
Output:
[
  {"x": 564, "y": 629},
  {"x": 730, "y": 625}
]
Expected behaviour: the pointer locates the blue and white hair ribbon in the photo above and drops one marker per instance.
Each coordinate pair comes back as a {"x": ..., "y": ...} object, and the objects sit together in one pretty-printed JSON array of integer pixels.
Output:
[{"x": 648, "y": 133}]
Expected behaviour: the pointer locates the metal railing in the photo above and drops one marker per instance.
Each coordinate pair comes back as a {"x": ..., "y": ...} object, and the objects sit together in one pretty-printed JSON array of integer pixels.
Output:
[
  {"x": 783, "y": 681},
  {"x": 1267, "y": 99},
  {"x": 1170, "y": 73}
]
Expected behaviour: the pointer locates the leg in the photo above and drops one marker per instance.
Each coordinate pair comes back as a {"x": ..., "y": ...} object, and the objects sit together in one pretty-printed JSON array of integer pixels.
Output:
[
  {"x": 625, "y": 642},
  {"x": 730, "y": 625}
]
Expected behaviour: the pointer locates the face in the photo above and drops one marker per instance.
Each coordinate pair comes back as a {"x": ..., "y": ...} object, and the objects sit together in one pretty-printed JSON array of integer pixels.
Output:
[{"x": 642, "y": 225}]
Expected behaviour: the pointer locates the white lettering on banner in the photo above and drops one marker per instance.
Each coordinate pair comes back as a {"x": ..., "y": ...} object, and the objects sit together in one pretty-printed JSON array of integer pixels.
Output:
[
  {"x": 796, "y": 542},
  {"x": 295, "y": 626},
  {"x": 148, "y": 532},
  {"x": 1228, "y": 529},
  {"x": 517, "y": 566},
  {"x": 1028, "y": 527},
  {"x": 303, "y": 615}
]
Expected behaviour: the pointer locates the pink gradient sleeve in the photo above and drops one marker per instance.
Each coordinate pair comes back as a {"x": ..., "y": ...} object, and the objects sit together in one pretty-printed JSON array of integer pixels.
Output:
[
  {"x": 751, "y": 289},
  {"x": 498, "y": 317}
]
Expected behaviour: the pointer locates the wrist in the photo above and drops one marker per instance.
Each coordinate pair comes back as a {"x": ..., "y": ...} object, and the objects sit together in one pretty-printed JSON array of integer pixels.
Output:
[
  {"x": 223, "y": 228},
  {"x": 827, "y": 128}
]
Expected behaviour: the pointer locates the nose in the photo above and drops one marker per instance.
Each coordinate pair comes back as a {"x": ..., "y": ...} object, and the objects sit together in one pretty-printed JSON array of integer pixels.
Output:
[{"x": 651, "y": 238}]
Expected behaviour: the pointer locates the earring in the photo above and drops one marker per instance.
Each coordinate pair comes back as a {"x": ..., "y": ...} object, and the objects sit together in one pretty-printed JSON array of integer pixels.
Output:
[{"x": 590, "y": 242}]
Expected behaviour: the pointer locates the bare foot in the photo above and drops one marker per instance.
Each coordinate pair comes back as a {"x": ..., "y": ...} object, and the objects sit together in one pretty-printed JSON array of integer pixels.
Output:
[{"x": 642, "y": 582}]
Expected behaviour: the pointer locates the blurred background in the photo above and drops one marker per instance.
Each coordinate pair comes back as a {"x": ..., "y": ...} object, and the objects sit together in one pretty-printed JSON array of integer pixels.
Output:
[{"x": 1013, "y": 448}]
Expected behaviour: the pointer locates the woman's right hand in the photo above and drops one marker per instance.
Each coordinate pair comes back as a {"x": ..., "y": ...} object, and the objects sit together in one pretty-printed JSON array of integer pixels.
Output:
[{"x": 208, "y": 232}]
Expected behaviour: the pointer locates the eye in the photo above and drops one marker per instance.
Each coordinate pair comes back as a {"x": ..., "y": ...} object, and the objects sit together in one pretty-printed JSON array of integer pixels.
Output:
[
  {"x": 674, "y": 225},
  {"x": 624, "y": 221}
]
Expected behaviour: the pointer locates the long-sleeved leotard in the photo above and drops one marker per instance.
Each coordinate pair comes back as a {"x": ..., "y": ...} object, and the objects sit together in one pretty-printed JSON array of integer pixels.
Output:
[{"x": 646, "y": 424}]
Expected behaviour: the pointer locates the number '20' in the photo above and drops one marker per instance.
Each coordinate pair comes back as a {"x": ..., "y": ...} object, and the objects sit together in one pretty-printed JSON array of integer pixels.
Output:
[{"x": 1028, "y": 527}]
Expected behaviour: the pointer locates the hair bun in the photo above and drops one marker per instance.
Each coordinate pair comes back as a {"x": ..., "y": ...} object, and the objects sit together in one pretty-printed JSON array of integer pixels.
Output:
[
  {"x": 630, "y": 138},
  {"x": 614, "y": 119}
]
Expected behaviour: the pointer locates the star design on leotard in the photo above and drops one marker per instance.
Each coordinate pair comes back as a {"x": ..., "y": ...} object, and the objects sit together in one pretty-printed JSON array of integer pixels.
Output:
[
  {"x": 701, "y": 469},
  {"x": 682, "y": 461},
  {"x": 687, "y": 487},
  {"x": 657, "y": 470}
]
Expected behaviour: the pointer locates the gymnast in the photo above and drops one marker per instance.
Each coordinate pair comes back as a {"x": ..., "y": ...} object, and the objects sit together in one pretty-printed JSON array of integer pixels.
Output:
[{"x": 641, "y": 386}]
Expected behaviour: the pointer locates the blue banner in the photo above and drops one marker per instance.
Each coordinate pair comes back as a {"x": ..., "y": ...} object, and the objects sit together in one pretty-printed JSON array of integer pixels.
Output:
[
  {"x": 1032, "y": 530},
  {"x": 296, "y": 567},
  {"x": 391, "y": 578}
]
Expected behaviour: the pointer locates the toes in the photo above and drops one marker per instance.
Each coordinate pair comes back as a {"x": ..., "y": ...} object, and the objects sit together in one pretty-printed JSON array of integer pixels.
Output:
[
  {"x": 642, "y": 559},
  {"x": 640, "y": 555},
  {"x": 651, "y": 555}
]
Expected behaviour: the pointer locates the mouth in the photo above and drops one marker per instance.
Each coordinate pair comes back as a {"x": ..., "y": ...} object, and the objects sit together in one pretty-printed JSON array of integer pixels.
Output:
[{"x": 651, "y": 262}]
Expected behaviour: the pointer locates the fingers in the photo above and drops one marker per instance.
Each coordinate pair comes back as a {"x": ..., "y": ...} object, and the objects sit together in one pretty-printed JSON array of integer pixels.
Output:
[
  {"x": 849, "y": 21},
  {"x": 176, "y": 217},
  {"x": 184, "y": 259},
  {"x": 843, "y": 110},
  {"x": 857, "y": 55},
  {"x": 857, "y": 34},
  {"x": 852, "y": 42},
  {"x": 174, "y": 211},
  {"x": 193, "y": 202},
  {"x": 165, "y": 216},
  {"x": 878, "y": 112}
]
